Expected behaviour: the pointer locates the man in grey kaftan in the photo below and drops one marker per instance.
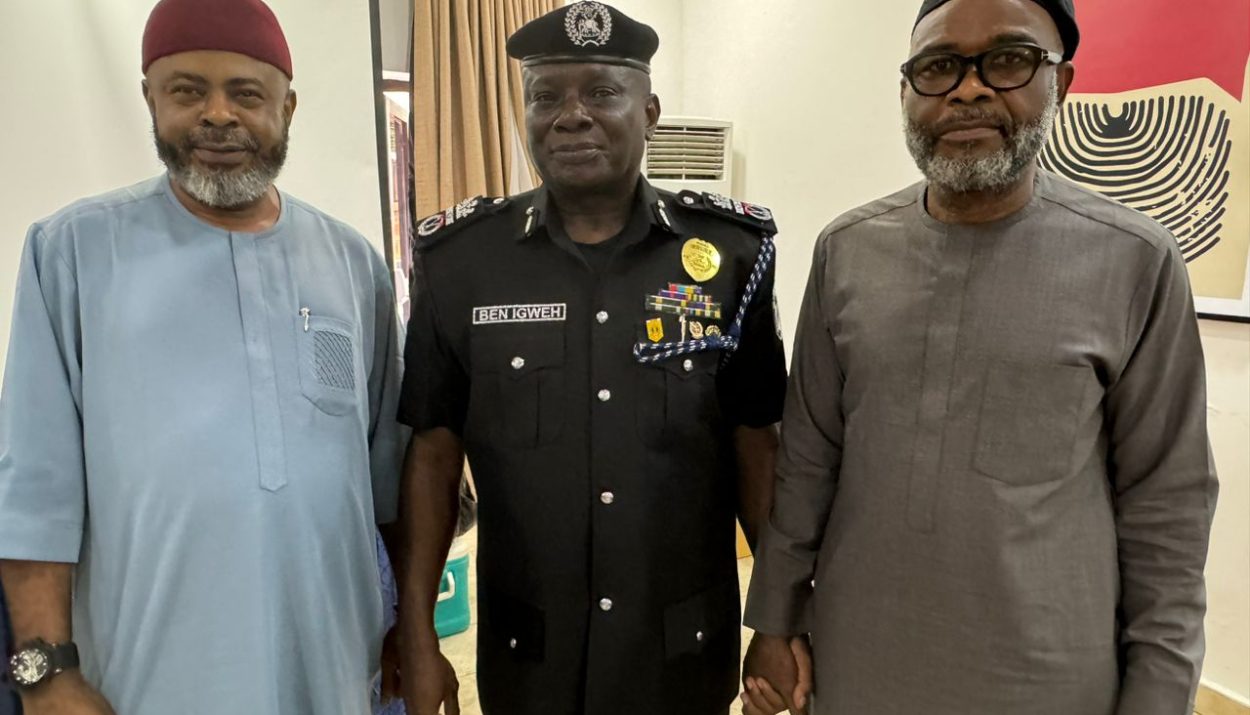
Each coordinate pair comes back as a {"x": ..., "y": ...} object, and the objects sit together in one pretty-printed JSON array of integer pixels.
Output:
[{"x": 994, "y": 458}]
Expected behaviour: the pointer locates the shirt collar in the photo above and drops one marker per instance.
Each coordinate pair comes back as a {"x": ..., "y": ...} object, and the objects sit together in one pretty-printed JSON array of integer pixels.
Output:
[{"x": 657, "y": 212}]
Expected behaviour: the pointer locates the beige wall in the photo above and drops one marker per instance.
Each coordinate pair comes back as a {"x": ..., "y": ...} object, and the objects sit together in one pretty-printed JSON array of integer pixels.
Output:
[
  {"x": 812, "y": 89},
  {"x": 666, "y": 67},
  {"x": 1227, "y": 348}
]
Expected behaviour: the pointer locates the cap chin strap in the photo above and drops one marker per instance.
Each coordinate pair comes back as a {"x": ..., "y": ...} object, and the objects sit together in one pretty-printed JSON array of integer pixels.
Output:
[{"x": 535, "y": 60}]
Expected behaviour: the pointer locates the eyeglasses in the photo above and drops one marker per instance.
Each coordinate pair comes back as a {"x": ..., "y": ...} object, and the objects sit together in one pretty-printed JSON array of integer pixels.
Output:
[{"x": 1002, "y": 68}]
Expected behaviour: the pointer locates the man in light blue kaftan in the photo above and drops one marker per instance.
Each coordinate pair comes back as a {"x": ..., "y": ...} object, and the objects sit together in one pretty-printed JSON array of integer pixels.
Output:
[{"x": 198, "y": 419}]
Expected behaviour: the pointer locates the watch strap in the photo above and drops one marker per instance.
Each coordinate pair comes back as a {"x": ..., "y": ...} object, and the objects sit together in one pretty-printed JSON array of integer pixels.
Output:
[{"x": 62, "y": 657}]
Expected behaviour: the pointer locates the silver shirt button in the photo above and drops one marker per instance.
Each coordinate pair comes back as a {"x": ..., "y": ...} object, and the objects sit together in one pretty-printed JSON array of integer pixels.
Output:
[
  {"x": 605, "y": 395},
  {"x": 518, "y": 363},
  {"x": 688, "y": 365},
  {"x": 605, "y": 605},
  {"x": 697, "y": 636},
  {"x": 607, "y": 498},
  {"x": 602, "y": 316}
]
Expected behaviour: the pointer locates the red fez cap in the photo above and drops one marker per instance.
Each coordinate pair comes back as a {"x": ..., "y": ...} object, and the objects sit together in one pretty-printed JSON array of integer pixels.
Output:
[{"x": 247, "y": 27}]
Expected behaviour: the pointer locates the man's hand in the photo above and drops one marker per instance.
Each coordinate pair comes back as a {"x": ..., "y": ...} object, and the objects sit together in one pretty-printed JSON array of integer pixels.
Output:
[
  {"x": 777, "y": 672},
  {"x": 391, "y": 648},
  {"x": 428, "y": 681},
  {"x": 761, "y": 699},
  {"x": 65, "y": 694}
]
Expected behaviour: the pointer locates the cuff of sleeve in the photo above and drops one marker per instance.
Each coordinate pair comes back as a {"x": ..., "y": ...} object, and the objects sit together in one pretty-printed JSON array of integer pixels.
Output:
[
  {"x": 778, "y": 604},
  {"x": 406, "y": 416},
  {"x": 420, "y": 420},
  {"x": 27, "y": 538},
  {"x": 778, "y": 612},
  {"x": 1154, "y": 696},
  {"x": 779, "y": 601}
]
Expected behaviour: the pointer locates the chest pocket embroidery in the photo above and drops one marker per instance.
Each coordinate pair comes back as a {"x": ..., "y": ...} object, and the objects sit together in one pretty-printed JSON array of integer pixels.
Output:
[
  {"x": 518, "y": 394},
  {"x": 330, "y": 368},
  {"x": 332, "y": 360}
]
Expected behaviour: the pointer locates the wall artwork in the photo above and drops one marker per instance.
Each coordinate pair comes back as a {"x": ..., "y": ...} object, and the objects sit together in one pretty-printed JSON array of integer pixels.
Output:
[{"x": 1159, "y": 119}]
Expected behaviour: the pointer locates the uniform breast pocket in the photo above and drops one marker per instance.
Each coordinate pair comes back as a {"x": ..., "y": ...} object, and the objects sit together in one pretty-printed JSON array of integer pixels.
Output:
[
  {"x": 677, "y": 399},
  {"x": 523, "y": 378},
  {"x": 1029, "y": 419},
  {"x": 331, "y": 371}
]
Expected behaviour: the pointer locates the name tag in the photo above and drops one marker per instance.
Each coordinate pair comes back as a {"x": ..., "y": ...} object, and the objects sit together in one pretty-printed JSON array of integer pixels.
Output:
[{"x": 537, "y": 313}]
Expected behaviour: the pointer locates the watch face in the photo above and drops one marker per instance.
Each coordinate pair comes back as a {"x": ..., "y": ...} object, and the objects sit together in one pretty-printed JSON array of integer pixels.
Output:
[{"x": 29, "y": 666}]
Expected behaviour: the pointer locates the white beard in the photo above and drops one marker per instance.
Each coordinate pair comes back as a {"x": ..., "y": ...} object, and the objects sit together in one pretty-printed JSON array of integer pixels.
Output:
[
  {"x": 224, "y": 189},
  {"x": 993, "y": 173}
]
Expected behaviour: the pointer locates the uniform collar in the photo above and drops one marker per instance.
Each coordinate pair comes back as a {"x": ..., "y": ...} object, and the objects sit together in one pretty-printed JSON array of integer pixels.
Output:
[{"x": 657, "y": 211}]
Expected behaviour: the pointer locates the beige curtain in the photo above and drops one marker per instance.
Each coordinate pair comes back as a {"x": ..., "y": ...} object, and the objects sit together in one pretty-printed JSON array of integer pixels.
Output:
[{"x": 468, "y": 120}]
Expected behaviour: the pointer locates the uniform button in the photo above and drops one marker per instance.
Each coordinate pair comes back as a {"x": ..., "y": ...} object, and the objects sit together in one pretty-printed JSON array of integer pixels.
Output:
[
  {"x": 607, "y": 497},
  {"x": 512, "y": 644},
  {"x": 602, "y": 316},
  {"x": 688, "y": 365},
  {"x": 605, "y": 605},
  {"x": 697, "y": 636},
  {"x": 518, "y": 363},
  {"x": 605, "y": 395}
]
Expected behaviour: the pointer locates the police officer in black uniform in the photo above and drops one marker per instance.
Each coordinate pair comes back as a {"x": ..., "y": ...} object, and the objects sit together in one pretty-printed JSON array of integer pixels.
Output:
[{"x": 607, "y": 356}]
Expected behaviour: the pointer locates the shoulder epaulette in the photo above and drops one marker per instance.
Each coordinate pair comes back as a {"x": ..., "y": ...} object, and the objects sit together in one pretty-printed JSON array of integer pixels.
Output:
[
  {"x": 443, "y": 224},
  {"x": 751, "y": 215}
]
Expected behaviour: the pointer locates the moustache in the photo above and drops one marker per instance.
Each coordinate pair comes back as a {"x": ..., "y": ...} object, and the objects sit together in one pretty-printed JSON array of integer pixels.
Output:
[
  {"x": 1005, "y": 124},
  {"x": 218, "y": 137}
]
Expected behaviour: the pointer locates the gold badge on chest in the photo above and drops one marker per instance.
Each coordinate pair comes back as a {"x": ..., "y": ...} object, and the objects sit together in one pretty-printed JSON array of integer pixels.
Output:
[{"x": 700, "y": 259}]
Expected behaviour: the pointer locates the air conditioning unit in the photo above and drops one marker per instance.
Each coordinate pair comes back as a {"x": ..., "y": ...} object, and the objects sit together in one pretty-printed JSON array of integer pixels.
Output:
[{"x": 691, "y": 153}]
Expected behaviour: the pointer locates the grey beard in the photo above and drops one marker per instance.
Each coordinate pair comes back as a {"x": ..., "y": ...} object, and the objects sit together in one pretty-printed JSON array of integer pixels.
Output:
[
  {"x": 226, "y": 189},
  {"x": 994, "y": 173}
]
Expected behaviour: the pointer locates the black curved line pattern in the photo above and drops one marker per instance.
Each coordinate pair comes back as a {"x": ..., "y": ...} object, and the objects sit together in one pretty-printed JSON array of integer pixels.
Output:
[{"x": 1166, "y": 157}]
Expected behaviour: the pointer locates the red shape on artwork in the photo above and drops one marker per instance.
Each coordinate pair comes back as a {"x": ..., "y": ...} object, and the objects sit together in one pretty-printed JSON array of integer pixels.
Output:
[{"x": 1133, "y": 44}]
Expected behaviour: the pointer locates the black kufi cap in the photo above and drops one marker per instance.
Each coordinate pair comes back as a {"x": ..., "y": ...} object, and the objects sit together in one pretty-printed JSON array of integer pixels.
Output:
[{"x": 1062, "y": 11}]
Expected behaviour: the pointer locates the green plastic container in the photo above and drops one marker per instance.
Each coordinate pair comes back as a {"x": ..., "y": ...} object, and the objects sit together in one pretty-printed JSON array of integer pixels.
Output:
[{"x": 451, "y": 613}]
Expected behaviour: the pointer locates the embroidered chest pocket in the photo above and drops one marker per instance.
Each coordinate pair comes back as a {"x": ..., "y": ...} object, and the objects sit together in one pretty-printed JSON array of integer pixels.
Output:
[
  {"x": 677, "y": 399},
  {"x": 331, "y": 371},
  {"x": 1029, "y": 419},
  {"x": 518, "y": 393}
]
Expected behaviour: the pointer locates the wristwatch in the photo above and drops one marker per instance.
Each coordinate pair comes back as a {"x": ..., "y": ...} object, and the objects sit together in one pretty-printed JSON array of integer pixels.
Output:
[{"x": 38, "y": 660}]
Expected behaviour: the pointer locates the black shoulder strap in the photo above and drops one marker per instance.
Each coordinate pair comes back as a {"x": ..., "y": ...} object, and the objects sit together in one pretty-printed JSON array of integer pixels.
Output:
[
  {"x": 751, "y": 215},
  {"x": 438, "y": 227}
]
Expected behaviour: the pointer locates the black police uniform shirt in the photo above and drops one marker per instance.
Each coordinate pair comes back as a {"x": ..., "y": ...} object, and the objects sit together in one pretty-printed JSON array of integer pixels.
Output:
[{"x": 607, "y": 577}]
